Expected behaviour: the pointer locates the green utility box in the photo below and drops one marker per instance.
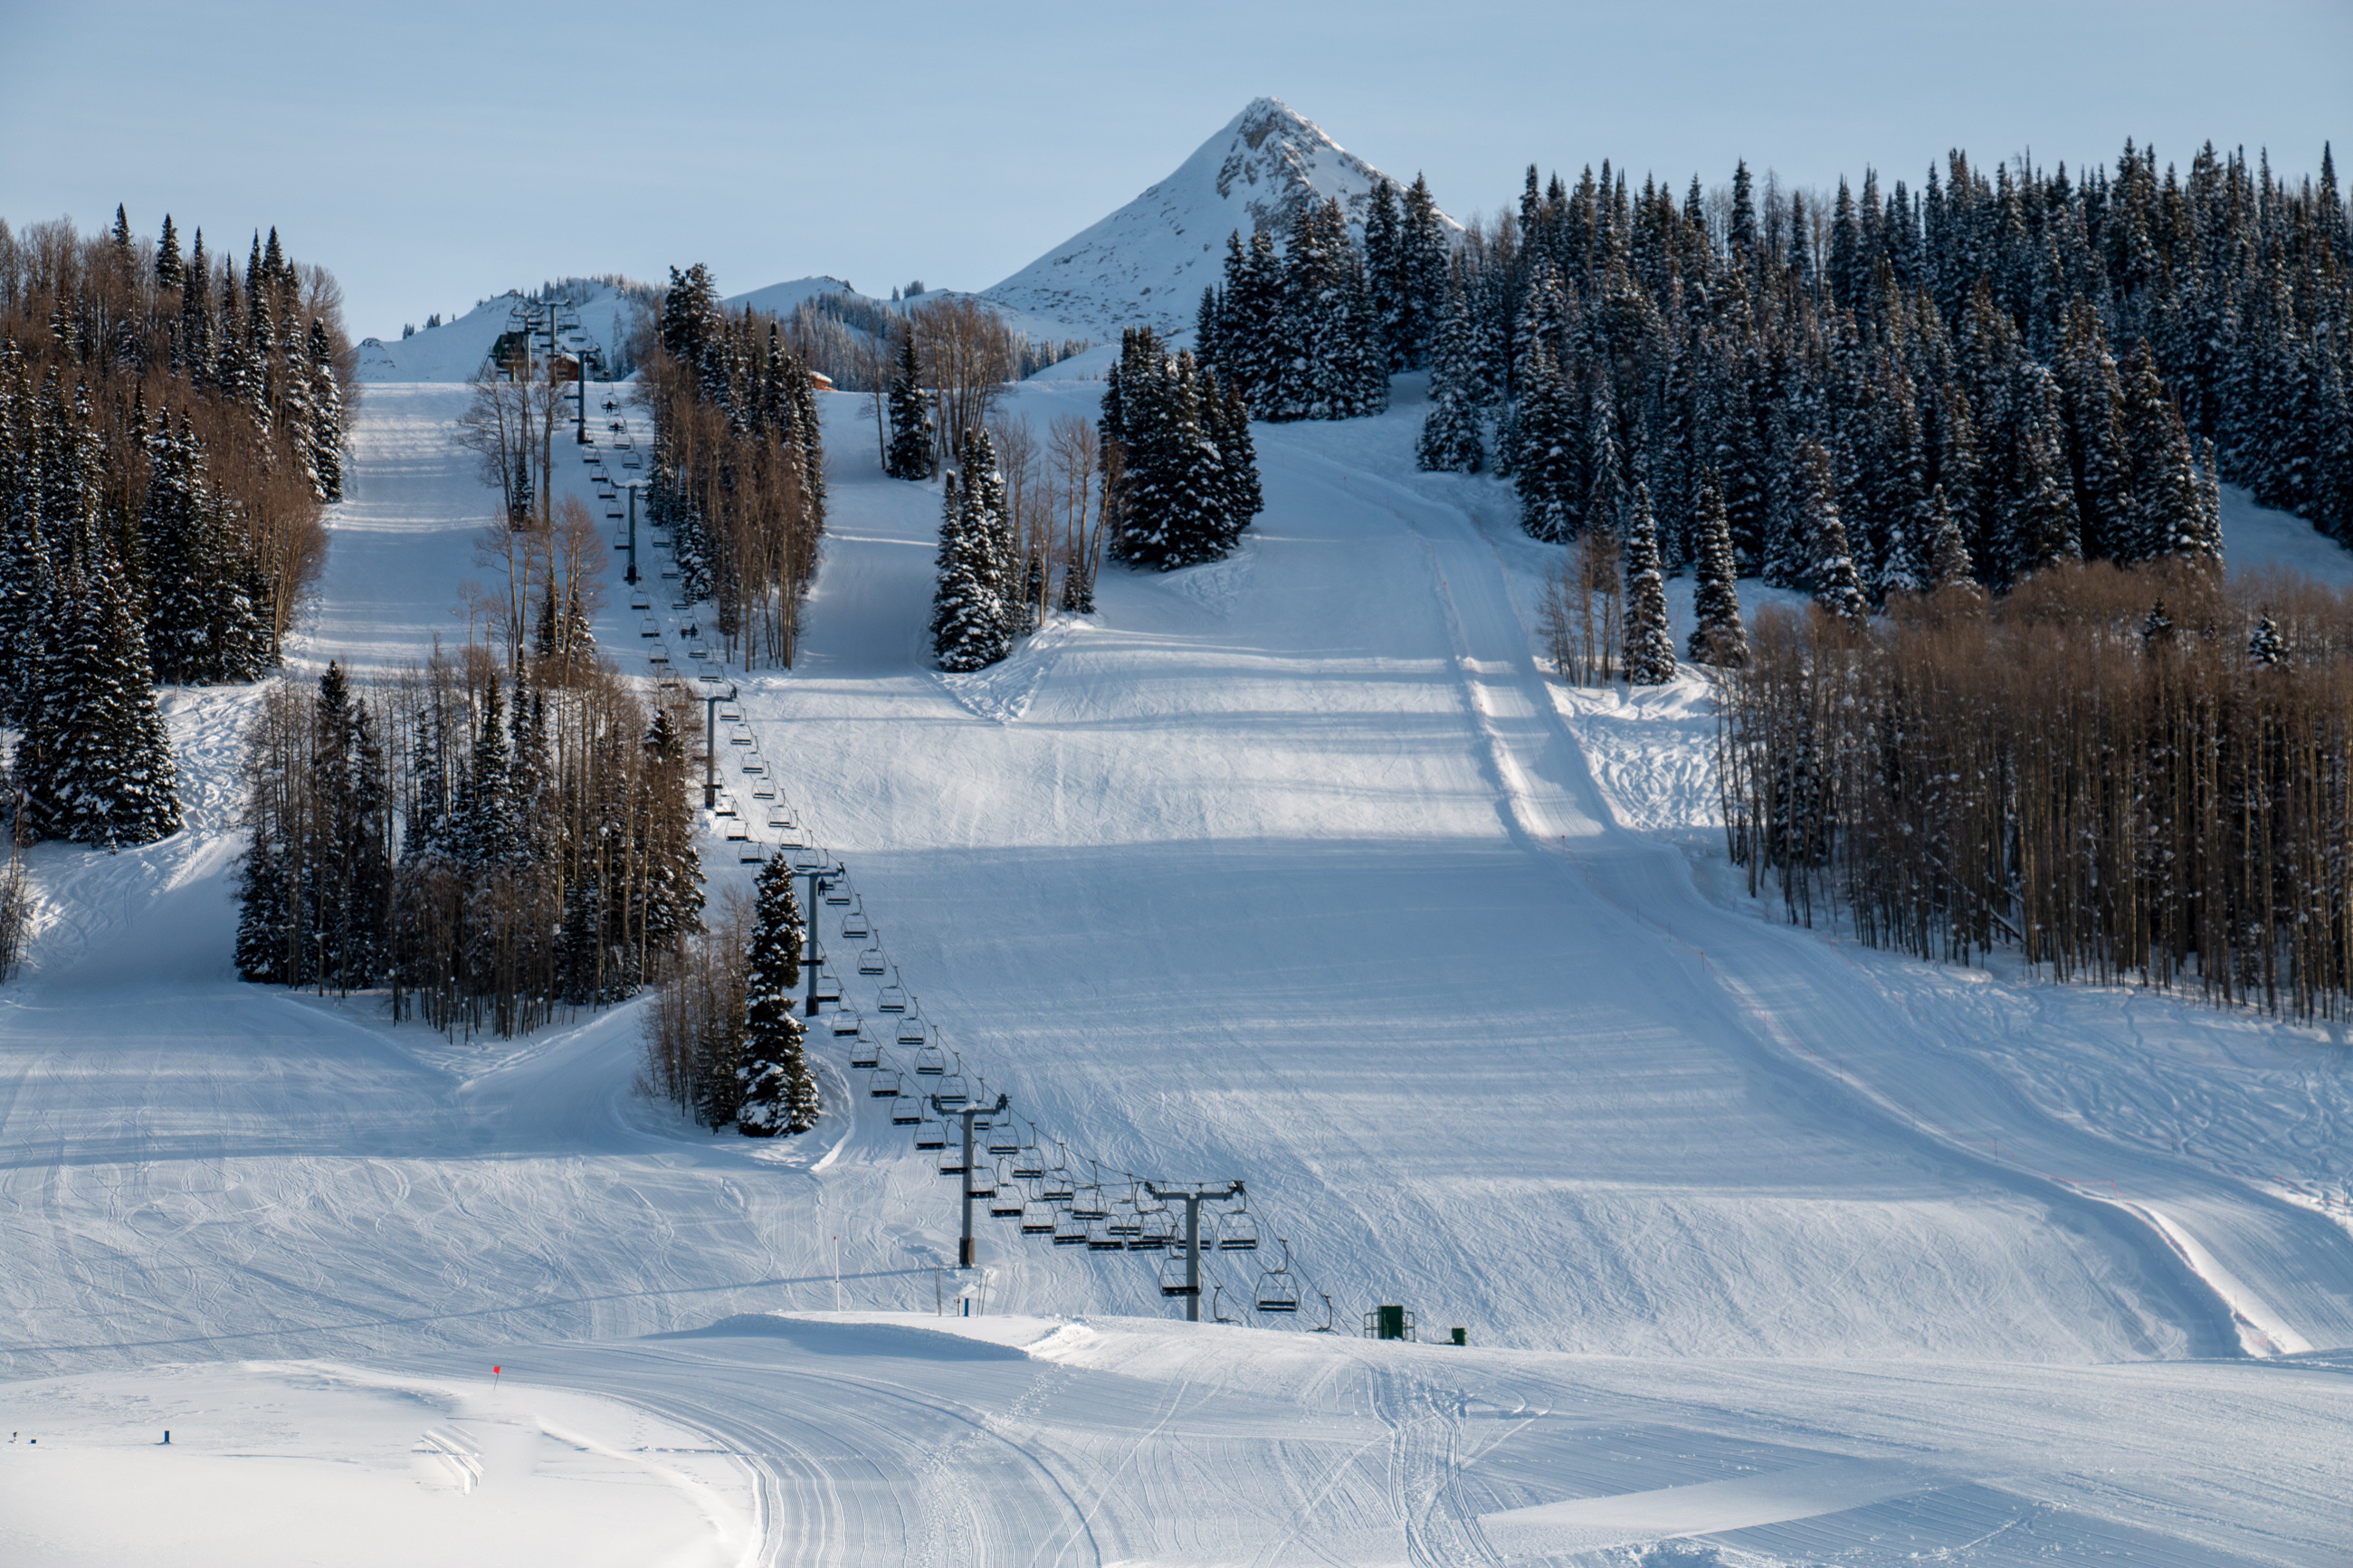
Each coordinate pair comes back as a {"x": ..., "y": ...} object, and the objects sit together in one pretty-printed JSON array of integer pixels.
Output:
[
  {"x": 1387, "y": 1322},
  {"x": 1461, "y": 1336}
]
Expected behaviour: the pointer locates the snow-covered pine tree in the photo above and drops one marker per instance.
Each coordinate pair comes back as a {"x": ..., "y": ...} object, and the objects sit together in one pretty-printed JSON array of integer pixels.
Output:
[
  {"x": 671, "y": 875},
  {"x": 1650, "y": 643},
  {"x": 1227, "y": 415},
  {"x": 2042, "y": 523},
  {"x": 350, "y": 859},
  {"x": 1719, "y": 637},
  {"x": 2266, "y": 648},
  {"x": 169, "y": 269},
  {"x": 1837, "y": 587},
  {"x": 326, "y": 408},
  {"x": 1450, "y": 439},
  {"x": 103, "y": 770},
  {"x": 1424, "y": 259},
  {"x": 1547, "y": 469},
  {"x": 265, "y": 918},
  {"x": 1385, "y": 275},
  {"x": 776, "y": 1091},
  {"x": 914, "y": 441},
  {"x": 1947, "y": 550},
  {"x": 969, "y": 616}
]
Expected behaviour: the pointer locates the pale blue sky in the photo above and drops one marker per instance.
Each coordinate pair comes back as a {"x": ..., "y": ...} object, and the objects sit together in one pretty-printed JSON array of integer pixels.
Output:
[{"x": 432, "y": 152}]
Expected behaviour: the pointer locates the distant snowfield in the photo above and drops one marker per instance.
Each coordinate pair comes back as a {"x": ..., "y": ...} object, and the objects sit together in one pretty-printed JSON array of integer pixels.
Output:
[{"x": 1296, "y": 869}]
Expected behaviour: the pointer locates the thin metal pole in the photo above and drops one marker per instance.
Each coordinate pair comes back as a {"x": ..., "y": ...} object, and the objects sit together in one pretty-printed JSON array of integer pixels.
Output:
[
  {"x": 808, "y": 940},
  {"x": 964, "y": 1251},
  {"x": 632, "y": 578},
  {"x": 1193, "y": 1257}
]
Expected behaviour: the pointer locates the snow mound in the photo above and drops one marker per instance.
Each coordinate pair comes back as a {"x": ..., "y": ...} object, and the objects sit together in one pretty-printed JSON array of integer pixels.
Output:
[{"x": 1148, "y": 263}]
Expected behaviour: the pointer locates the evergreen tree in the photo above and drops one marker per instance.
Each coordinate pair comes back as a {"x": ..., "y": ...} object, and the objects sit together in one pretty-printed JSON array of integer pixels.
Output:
[
  {"x": 1719, "y": 637},
  {"x": 1449, "y": 432},
  {"x": 1546, "y": 469},
  {"x": 776, "y": 1091},
  {"x": 95, "y": 756},
  {"x": 1650, "y": 643},
  {"x": 1837, "y": 587},
  {"x": 1948, "y": 549},
  {"x": 2266, "y": 648},
  {"x": 1385, "y": 275},
  {"x": 672, "y": 871},
  {"x": 169, "y": 269},
  {"x": 326, "y": 422},
  {"x": 969, "y": 616},
  {"x": 1424, "y": 257},
  {"x": 912, "y": 439}
]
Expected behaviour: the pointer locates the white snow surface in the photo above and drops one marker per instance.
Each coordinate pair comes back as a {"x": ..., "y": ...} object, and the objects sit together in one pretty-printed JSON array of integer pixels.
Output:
[
  {"x": 1146, "y": 263},
  {"x": 1297, "y": 867}
]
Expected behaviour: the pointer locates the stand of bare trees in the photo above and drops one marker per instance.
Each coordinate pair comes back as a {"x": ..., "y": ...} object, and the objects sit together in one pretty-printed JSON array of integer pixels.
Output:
[
  {"x": 738, "y": 473},
  {"x": 2127, "y": 774},
  {"x": 695, "y": 1030}
]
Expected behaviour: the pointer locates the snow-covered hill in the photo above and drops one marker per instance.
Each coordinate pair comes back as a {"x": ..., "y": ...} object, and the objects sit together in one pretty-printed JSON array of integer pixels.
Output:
[
  {"x": 1297, "y": 867},
  {"x": 456, "y": 349},
  {"x": 1146, "y": 263}
]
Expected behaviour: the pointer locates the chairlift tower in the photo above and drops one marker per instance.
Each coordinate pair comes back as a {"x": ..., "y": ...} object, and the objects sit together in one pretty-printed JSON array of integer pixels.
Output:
[
  {"x": 633, "y": 487},
  {"x": 1193, "y": 1195},
  {"x": 819, "y": 872},
  {"x": 943, "y": 1109},
  {"x": 711, "y": 747}
]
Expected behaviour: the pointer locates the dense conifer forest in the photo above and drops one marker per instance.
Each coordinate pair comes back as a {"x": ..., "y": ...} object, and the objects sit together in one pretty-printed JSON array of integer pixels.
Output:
[{"x": 170, "y": 429}]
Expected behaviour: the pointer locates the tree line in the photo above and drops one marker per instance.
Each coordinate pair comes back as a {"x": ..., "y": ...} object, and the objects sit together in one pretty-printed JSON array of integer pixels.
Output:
[
  {"x": 489, "y": 841},
  {"x": 169, "y": 435},
  {"x": 738, "y": 465},
  {"x": 2061, "y": 367},
  {"x": 2128, "y": 775}
]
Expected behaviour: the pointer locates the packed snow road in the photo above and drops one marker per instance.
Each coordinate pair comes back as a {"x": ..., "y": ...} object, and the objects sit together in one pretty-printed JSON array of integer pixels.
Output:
[{"x": 1296, "y": 869}]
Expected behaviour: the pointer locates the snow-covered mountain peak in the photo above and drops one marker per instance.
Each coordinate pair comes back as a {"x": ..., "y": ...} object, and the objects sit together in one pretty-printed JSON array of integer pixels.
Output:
[{"x": 1146, "y": 263}]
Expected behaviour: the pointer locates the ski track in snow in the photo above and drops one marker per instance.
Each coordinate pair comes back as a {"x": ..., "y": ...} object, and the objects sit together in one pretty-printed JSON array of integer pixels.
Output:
[{"x": 1298, "y": 868}]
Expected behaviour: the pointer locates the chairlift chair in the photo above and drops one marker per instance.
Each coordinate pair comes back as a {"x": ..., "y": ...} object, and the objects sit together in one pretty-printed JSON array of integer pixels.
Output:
[
  {"x": 930, "y": 1062},
  {"x": 641, "y": 600},
  {"x": 1278, "y": 1290},
  {"x": 1237, "y": 1231},
  {"x": 1157, "y": 1234},
  {"x": 912, "y": 1031},
  {"x": 837, "y": 893},
  {"x": 1004, "y": 1140},
  {"x": 829, "y": 988},
  {"x": 1124, "y": 1221},
  {"x": 1038, "y": 1219},
  {"x": 737, "y": 833},
  {"x": 753, "y": 764},
  {"x": 751, "y": 854},
  {"x": 951, "y": 1090},
  {"x": 1009, "y": 1201},
  {"x": 1171, "y": 1278},
  {"x": 740, "y": 738},
  {"x": 649, "y": 627},
  {"x": 724, "y": 807},
  {"x": 1070, "y": 1230},
  {"x": 846, "y": 1021},
  {"x": 1089, "y": 1203},
  {"x": 931, "y": 1132},
  {"x": 806, "y": 857},
  {"x": 865, "y": 1052},
  {"x": 854, "y": 928},
  {"x": 658, "y": 654},
  {"x": 1100, "y": 1240},
  {"x": 951, "y": 1160},
  {"x": 906, "y": 1111},
  {"x": 981, "y": 1182},
  {"x": 883, "y": 1085}
]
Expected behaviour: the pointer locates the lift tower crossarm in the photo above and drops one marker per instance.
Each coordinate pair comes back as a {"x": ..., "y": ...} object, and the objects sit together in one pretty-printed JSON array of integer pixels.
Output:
[{"x": 1194, "y": 1193}]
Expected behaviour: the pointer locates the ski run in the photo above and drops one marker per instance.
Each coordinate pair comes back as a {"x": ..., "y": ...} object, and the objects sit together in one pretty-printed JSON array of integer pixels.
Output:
[{"x": 1298, "y": 867}]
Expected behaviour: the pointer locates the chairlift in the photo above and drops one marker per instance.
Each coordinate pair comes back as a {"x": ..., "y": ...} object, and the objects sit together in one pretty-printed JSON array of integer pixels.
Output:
[
  {"x": 855, "y": 928},
  {"x": 1004, "y": 1140},
  {"x": 981, "y": 1182},
  {"x": 658, "y": 654},
  {"x": 780, "y": 821},
  {"x": 1157, "y": 1232},
  {"x": 752, "y": 854},
  {"x": 931, "y": 1132},
  {"x": 846, "y": 1021},
  {"x": 640, "y": 600},
  {"x": 1278, "y": 1289},
  {"x": 1007, "y": 1202},
  {"x": 865, "y": 1052},
  {"x": 1038, "y": 1219},
  {"x": 737, "y": 832},
  {"x": 1100, "y": 1240},
  {"x": 649, "y": 627},
  {"x": 1070, "y": 1230},
  {"x": 740, "y": 738},
  {"x": 829, "y": 988},
  {"x": 913, "y": 1031},
  {"x": 755, "y": 764},
  {"x": 1088, "y": 1202},
  {"x": 1237, "y": 1231},
  {"x": 883, "y": 1085},
  {"x": 725, "y": 807},
  {"x": 952, "y": 1092},
  {"x": 806, "y": 857},
  {"x": 1124, "y": 1221},
  {"x": 1172, "y": 1280},
  {"x": 837, "y": 893},
  {"x": 930, "y": 1061}
]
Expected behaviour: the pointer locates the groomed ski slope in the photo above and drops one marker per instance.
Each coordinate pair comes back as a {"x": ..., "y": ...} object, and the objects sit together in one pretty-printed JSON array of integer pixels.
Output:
[{"x": 1294, "y": 868}]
